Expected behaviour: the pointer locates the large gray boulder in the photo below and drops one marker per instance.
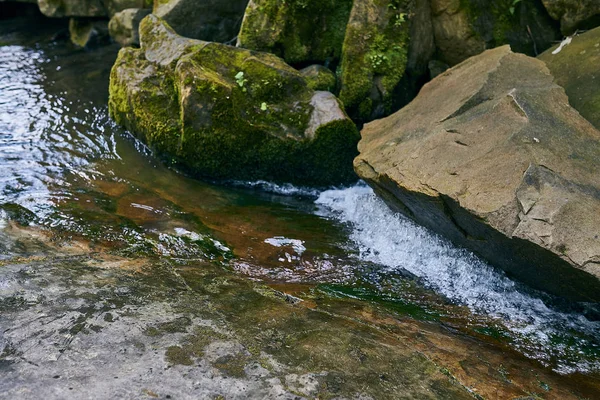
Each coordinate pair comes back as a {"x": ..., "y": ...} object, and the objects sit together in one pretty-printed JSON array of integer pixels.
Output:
[
  {"x": 228, "y": 113},
  {"x": 576, "y": 67},
  {"x": 491, "y": 155},
  {"x": 211, "y": 20}
]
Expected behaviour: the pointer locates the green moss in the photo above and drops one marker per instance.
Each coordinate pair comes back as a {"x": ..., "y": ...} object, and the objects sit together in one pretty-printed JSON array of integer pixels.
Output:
[
  {"x": 298, "y": 31},
  {"x": 374, "y": 58},
  {"x": 212, "y": 121}
]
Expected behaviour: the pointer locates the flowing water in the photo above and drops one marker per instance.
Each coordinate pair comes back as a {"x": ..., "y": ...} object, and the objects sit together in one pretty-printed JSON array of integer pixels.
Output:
[{"x": 65, "y": 168}]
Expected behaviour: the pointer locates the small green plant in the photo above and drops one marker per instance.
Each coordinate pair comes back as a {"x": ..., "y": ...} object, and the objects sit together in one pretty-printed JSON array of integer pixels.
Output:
[
  {"x": 263, "y": 106},
  {"x": 240, "y": 80},
  {"x": 513, "y": 6}
]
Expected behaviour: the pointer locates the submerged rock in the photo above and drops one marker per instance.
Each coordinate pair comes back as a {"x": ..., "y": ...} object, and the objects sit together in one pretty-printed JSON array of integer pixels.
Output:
[
  {"x": 212, "y": 20},
  {"x": 574, "y": 14},
  {"x": 124, "y": 26},
  {"x": 229, "y": 113},
  {"x": 491, "y": 155},
  {"x": 575, "y": 67},
  {"x": 464, "y": 28}
]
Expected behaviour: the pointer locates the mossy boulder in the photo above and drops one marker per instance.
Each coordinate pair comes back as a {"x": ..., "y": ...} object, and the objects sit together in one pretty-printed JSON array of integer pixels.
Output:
[
  {"x": 88, "y": 8},
  {"x": 124, "y": 25},
  {"x": 88, "y": 32},
  {"x": 575, "y": 68},
  {"x": 319, "y": 77},
  {"x": 574, "y": 14},
  {"x": 211, "y": 20},
  {"x": 464, "y": 28},
  {"x": 376, "y": 52},
  {"x": 301, "y": 32},
  {"x": 223, "y": 112}
]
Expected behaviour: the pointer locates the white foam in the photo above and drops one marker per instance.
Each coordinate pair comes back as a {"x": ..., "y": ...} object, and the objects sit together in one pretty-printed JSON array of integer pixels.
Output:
[
  {"x": 280, "y": 241},
  {"x": 394, "y": 242}
]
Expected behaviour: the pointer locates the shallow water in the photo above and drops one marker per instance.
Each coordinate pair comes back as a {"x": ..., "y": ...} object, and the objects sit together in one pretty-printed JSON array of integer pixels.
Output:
[{"x": 83, "y": 178}]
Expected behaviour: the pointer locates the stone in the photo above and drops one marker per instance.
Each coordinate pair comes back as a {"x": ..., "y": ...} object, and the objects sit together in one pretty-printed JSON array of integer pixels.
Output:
[
  {"x": 377, "y": 53},
  {"x": 464, "y": 28},
  {"x": 575, "y": 68},
  {"x": 72, "y": 8},
  {"x": 319, "y": 77},
  {"x": 88, "y": 8},
  {"x": 124, "y": 25},
  {"x": 524, "y": 193},
  {"x": 87, "y": 32},
  {"x": 224, "y": 112},
  {"x": 574, "y": 14},
  {"x": 299, "y": 32},
  {"x": 211, "y": 20}
]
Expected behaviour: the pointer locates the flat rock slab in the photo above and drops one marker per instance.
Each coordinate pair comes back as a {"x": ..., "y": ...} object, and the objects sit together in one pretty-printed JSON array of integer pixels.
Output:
[{"x": 491, "y": 155}]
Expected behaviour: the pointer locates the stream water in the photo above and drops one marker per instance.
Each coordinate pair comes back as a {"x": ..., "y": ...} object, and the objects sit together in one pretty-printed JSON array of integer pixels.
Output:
[{"x": 82, "y": 177}]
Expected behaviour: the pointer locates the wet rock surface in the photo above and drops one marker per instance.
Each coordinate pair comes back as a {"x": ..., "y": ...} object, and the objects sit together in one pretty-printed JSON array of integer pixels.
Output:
[{"x": 523, "y": 193}]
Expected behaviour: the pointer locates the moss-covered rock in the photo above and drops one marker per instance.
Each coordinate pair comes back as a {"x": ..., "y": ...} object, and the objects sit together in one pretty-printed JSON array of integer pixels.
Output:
[
  {"x": 88, "y": 8},
  {"x": 464, "y": 28},
  {"x": 229, "y": 113},
  {"x": 375, "y": 55},
  {"x": 124, "y": 25},
  {"x": 574, "y": 14},
  {"x": 299, "y": 31},
  {"x": 319, "y": 77},
  {"x": 86, "y": 32},
  {"x": 575, "y": 68},
  {"x": 213, "y": 20}
]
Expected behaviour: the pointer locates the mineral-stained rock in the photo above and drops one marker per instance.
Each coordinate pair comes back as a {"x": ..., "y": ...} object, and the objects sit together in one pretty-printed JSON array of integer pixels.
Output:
[
  {"x": 491, "y": 155},
  {"x": 212, "y": 20},
  {"x": 464, "y": 28},
  {"x": 576, "y": 68},
  {"x": 123, "y": 26},
  {"x": 574, "y": 14},
  {"x": 224, "y": 112}
]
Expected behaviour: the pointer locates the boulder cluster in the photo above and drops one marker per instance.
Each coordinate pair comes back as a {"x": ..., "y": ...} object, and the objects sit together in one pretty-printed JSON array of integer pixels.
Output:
[{"x": 480, "y": 119}]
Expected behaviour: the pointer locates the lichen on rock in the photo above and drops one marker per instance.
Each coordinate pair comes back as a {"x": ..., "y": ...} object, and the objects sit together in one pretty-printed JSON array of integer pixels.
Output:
[{"x": 229, "y": 113}]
